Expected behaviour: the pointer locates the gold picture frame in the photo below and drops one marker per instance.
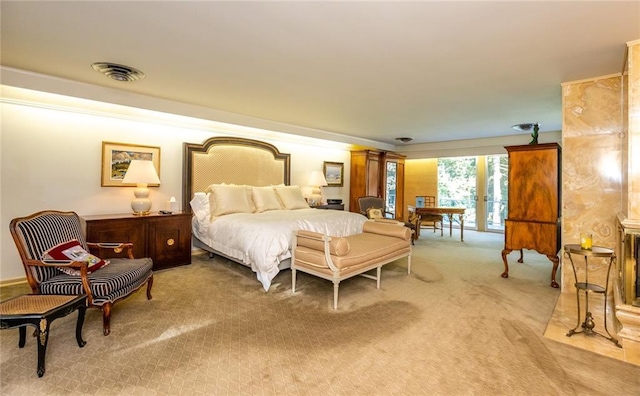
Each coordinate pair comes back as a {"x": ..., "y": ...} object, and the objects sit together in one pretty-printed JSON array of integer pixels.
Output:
[
  {"x": 334, "y": 173},
  {"x": 116, "y": 158}
]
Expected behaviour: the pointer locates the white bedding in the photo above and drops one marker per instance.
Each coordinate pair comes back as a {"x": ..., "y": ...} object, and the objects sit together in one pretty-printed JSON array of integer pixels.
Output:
[{"x": 262, "y": 240}]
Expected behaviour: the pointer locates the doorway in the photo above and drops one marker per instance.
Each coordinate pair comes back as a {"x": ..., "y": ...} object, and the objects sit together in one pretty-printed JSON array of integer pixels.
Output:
[{"x": 463, "y": 180}]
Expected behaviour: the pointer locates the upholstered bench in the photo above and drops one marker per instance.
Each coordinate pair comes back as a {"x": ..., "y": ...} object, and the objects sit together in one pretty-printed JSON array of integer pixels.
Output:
[
  {"x": 39, "y": 311},
  {"x": 336, "y": 259}
]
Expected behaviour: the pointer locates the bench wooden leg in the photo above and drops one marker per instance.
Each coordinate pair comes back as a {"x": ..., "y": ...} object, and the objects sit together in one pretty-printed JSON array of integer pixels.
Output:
[
  {"x": 43, "y": 339},
  {"x": 378, "y": 271},
  {"x": 23, "y": 336},
  {"x": 81, "y": 312},
  {"x": 293, "y": 280}
]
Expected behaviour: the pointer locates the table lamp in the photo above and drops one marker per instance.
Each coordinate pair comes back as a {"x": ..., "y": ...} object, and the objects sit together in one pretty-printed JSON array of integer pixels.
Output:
[
  {"x": 316, "y": 181},
  {"x": 141, "y": 173}
]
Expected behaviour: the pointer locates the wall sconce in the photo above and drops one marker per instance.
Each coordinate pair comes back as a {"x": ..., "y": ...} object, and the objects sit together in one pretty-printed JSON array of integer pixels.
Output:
[
  {"x": 141, "y": 173},
  {"x": 317, "y": 180}
]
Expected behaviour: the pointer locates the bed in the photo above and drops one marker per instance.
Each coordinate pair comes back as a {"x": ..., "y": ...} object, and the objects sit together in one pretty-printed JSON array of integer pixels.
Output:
[{"x": 245, "y": 208}]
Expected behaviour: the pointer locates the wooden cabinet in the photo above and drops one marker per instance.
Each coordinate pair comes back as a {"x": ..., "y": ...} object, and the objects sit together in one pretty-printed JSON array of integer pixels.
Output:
[
  {"x": 164, "y": 238},
  {"x": 533, "y": 219},
  {"x": 378, "y": 174}
]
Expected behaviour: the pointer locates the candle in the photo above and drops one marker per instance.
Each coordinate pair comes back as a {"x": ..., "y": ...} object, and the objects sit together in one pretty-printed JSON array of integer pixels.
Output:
[{"x": 586, "y": 241}]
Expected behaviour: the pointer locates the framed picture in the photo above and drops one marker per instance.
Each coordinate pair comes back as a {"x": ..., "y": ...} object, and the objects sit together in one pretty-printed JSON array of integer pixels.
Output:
[
  {"x": 334, "y": 173},
  {"x": 116, "y": 158}
]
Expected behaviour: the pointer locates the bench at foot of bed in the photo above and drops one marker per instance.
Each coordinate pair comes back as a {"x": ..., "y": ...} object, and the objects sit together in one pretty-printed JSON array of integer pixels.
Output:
[{"x": 339, "y": 258}]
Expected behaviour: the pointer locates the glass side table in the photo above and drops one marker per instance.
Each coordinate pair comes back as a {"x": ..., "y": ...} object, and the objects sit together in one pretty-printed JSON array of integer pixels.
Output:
[{"x": 589, "y": 324}]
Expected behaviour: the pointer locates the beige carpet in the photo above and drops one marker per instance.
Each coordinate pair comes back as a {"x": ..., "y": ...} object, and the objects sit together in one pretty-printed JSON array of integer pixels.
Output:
[{"x": 452, "y": 327}]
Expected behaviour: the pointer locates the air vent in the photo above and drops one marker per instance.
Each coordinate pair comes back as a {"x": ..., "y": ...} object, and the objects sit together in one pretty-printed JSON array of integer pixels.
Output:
[
  {"x": 404, "y": 139},
  {"x": 526, "y": 127},
  {"x": 118, "y": 72}
]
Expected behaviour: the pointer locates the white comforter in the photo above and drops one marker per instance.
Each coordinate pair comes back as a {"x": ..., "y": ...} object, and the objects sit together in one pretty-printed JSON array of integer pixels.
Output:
[{"x": 262, "y": 240}]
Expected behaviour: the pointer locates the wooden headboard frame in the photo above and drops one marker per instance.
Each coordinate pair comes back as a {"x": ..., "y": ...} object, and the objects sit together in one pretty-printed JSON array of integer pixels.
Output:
[{"x": 231, "y": 160}]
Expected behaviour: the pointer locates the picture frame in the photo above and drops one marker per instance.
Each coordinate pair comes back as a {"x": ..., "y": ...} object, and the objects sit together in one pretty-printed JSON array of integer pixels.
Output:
[
  {"x": 334, "y": 173},
  {"x": 116, "y": 158}
]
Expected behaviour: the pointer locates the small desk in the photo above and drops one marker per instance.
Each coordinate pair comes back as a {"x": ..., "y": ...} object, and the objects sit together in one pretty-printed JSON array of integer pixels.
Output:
[
  {"x": 39, "y": 310},
  {"x": 449, "y": 212}
]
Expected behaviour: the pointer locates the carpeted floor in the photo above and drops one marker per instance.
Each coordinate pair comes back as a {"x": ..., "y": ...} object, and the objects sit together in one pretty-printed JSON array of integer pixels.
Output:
[{"x": 452, "y": 327}]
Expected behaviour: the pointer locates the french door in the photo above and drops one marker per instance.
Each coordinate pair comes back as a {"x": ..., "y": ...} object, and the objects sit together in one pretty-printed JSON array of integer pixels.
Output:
[
  {"x": 478, "y": 184},
  {"x": 457, "y": 187}
]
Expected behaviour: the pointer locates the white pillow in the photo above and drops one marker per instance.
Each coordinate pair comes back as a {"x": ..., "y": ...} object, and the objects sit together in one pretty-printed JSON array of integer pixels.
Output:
[
  {"x": 200, "y": 207},
  {"x": 212, "y": 200},
  {"x": 230, "y": 199},
  {"x": 264, "y": 198},
  {"x": 291, "y": 197},
  {"x": 200, "y": 203}
]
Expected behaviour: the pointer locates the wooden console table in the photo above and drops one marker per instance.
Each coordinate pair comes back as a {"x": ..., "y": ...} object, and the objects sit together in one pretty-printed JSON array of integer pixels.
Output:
[
  {"x": 449, "y": 212},
  {"x": 166, "y": 239}
]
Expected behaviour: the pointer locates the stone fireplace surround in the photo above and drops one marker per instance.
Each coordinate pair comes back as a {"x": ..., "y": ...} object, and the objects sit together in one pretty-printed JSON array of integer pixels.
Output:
[{"x": 601, "y": 181}]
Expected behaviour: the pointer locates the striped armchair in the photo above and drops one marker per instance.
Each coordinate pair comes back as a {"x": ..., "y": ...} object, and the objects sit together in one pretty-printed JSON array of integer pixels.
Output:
[{"x": 36, "y": 234}]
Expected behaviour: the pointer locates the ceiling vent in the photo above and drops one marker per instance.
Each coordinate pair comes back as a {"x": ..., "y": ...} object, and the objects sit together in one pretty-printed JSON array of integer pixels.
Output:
[
  {"x": 526, "y": 127},
  {"x": 404, "y": 139},
  {"x": 118, "y": 72}
]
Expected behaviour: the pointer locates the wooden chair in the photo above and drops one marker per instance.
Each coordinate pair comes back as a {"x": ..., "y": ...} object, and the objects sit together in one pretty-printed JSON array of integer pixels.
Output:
[
  {"x": 36, "y": 234},
  {"x": 429, "y": 220}
]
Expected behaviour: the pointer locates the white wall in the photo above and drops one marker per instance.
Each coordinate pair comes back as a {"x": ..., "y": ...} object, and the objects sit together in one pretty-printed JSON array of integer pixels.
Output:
[{"x": 51, "y": 157}]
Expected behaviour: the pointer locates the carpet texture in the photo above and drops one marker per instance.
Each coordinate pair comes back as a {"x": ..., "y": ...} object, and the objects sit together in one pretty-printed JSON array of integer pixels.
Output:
[{"x": 451, "y": 327}]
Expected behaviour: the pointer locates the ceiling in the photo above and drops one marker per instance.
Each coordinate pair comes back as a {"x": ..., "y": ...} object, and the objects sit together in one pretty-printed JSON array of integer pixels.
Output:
[{"x": 433, "y": 71}]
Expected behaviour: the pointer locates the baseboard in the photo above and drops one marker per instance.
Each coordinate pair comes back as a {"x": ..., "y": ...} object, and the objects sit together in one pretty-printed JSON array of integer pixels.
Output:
[{"x": 12, "y": 282}]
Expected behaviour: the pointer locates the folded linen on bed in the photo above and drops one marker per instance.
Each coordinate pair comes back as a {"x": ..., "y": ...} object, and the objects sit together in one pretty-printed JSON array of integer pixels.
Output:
[{"x": 263, "y": 240}]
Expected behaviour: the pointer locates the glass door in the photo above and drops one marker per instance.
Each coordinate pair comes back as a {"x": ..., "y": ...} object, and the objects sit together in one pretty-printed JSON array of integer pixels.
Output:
[
  {"x": 457, "y": 187},
  {"x": 496, "y": 189},
  {"x": 390, "y": 187}
]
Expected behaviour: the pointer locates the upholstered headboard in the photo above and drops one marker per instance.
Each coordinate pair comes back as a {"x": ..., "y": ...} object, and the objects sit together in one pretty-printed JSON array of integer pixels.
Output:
[{"x": 234, "y": 161}]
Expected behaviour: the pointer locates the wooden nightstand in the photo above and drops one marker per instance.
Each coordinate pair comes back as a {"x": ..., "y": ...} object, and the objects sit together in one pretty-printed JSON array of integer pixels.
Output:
[
  {"x": 331, "y": 206},
  {"x": 164, "y": 238}
]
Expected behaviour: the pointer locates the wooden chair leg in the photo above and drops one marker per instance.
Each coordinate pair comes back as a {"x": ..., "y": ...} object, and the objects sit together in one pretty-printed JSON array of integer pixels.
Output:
[
  {"x": 149, "y": 284},
  {"x": 336, "y": 284},
  {"x": 106, "y": 318}
]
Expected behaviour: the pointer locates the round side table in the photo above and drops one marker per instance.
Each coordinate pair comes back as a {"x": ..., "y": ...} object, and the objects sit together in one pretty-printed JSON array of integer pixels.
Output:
[{"x": 589, "y": 324}]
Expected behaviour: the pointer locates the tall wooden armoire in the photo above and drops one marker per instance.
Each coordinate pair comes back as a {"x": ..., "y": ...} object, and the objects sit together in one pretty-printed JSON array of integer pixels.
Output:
[
  {"x": 533, "y": 219},
  {"x": 379, "y": 174}
]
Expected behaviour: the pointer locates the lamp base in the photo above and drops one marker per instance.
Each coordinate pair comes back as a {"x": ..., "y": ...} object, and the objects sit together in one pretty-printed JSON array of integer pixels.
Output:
[
  {"x": 142, "y": 214},
  {"x": 315, "y": 199},
  {"x": 141, "y": 204}
]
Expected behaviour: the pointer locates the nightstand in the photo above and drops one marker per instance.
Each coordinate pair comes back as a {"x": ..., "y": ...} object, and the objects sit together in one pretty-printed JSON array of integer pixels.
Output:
[
  {"x": 164, "y": 238},
  {"x": 330, "y": 206}
]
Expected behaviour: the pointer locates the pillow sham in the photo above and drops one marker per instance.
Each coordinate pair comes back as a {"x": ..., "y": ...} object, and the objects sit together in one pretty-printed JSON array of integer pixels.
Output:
[
  {"x": 264, "y": 198},
  {"x": 230, "y": 199},
  {"x": 201, "y": 210},
  {"x": 212, "y": 201},
  {"x": 72, "y": 250},
  {"x": 375, "y": 213},
  {"x": 291, "y": 197},
  {"x": 200, "y": 203}
]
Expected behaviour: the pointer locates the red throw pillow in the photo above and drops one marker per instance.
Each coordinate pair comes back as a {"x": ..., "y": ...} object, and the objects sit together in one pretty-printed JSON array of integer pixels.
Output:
[{"x": 73, "y": 250}]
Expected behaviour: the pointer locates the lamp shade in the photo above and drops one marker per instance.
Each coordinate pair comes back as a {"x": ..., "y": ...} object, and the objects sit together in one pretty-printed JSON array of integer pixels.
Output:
[
  {"x": 141, "y": 172},
  {"x": 317, "y": 179}
]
